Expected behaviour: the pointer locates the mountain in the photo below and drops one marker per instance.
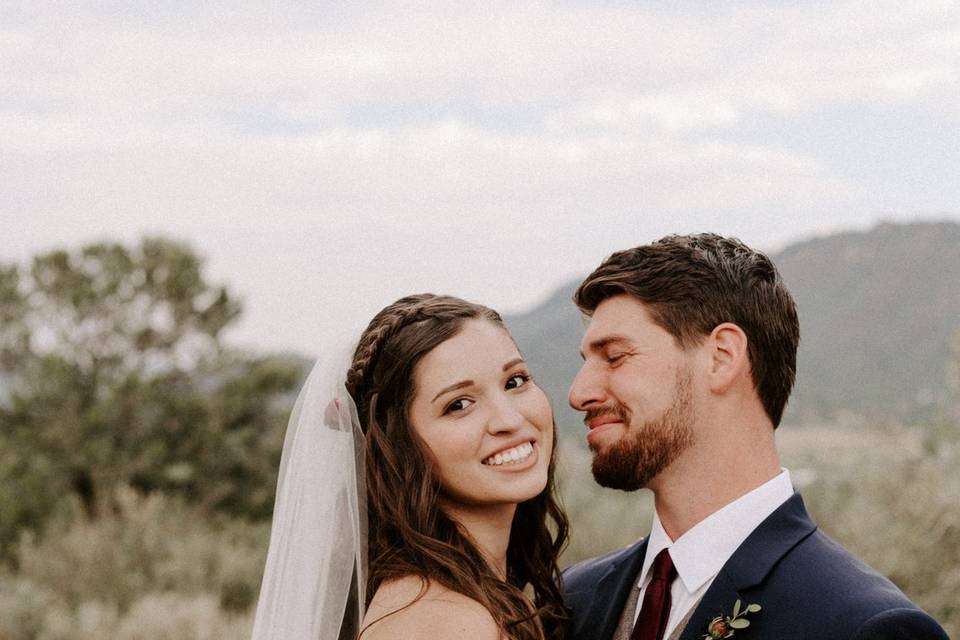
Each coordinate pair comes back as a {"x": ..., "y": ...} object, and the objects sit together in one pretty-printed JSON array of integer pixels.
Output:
[
  {"x": 549, "y": 338},
  {"x": 878, "y": 310}
]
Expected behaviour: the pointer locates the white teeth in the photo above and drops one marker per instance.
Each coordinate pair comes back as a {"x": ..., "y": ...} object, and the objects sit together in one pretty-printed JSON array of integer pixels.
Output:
[{"x": 516, "y": 454}]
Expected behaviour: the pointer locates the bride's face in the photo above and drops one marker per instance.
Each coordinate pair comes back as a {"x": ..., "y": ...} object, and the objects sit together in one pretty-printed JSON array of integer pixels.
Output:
[{"x": 487, "y": 424}]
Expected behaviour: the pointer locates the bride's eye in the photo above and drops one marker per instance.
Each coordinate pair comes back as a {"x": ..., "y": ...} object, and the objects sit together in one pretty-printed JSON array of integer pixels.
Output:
[
  {"x": 517, "y": 380},
  {"x": 458, "y": 405}
]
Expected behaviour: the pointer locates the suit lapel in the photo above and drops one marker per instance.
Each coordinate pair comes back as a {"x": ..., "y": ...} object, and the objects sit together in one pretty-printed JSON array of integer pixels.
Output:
[
  {"x": 682, "y": 625},
  {"x": 718, "y": 600},
  {"x": 611, "y": 594},
  {"x": 751, "y": 562}
]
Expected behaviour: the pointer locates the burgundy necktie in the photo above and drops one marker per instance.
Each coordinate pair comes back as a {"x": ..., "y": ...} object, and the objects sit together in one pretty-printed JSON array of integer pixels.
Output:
[{"x": 656, "y": 600}]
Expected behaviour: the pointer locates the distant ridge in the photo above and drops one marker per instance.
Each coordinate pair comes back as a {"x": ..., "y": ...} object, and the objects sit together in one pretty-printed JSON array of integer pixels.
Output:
[{"x": 877, "y": 311}]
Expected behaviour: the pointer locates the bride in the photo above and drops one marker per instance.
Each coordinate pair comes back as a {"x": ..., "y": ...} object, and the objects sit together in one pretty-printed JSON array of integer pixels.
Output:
[{"x": 454, "y": 446}]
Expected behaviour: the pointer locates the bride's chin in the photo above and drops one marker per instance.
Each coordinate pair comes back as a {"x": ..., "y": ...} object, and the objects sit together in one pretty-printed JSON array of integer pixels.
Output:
[{"x": 535, "y": 489}]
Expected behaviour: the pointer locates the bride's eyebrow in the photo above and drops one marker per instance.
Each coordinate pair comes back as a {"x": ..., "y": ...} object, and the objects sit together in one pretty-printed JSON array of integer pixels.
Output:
[
  {"x": 513, "y": 363},
  {"x": 467, "y": 383},
  {"x": 453, "y": 387}
]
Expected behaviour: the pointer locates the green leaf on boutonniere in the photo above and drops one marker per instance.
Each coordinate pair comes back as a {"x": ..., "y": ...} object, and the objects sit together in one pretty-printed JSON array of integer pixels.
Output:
[{"x": 724, "y": 626}]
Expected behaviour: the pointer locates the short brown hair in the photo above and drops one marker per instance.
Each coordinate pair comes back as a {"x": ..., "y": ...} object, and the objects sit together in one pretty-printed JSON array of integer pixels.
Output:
[{"x": 692, "y": 283}]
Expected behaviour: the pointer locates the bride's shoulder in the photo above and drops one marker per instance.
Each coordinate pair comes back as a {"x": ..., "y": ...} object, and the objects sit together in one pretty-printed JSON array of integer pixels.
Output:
[{"x": 412, "y": 607}]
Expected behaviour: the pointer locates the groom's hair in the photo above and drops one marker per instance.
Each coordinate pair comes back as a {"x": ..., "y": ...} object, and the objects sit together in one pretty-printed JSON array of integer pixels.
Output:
[{"x": 692, "y": 283}]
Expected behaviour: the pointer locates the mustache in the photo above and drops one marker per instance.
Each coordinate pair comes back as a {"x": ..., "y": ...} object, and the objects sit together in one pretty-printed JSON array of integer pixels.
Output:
[{"x": 616, "y": 410}]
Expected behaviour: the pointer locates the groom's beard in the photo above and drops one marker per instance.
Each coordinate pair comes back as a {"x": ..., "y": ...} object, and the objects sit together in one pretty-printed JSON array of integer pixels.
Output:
[{"x": 647, "y": 449}]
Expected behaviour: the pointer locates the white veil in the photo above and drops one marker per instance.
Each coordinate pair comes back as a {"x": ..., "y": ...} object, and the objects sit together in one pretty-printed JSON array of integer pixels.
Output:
[{"x": 315, "y": 577}]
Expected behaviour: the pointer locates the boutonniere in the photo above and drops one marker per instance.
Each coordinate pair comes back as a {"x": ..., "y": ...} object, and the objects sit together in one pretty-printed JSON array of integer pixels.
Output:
[{"x": 723, "y": 626}]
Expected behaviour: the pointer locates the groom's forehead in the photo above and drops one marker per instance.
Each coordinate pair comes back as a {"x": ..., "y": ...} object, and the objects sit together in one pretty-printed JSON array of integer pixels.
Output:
[
  {"x": 625, "y": 323},
  {"x": 621, "y": 316}
]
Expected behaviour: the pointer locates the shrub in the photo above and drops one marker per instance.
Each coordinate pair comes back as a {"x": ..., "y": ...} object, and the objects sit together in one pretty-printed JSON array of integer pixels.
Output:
[{"x": 150, "y": 568}]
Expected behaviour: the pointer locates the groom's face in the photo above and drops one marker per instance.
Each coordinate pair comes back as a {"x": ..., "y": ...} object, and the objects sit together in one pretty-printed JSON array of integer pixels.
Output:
[{"x": 635, "y": 386}]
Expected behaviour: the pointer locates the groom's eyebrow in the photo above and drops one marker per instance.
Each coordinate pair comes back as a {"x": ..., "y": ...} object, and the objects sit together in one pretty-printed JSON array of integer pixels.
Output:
[{"x": 602, "y": 343}]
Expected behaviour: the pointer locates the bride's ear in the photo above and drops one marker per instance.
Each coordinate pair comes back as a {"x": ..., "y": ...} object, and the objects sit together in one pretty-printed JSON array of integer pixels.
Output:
[{"x": 729, "y": 359}]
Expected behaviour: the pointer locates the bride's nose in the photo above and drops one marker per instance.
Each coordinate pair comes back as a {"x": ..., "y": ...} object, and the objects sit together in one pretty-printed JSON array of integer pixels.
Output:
[{"x": 505, "y": 416}]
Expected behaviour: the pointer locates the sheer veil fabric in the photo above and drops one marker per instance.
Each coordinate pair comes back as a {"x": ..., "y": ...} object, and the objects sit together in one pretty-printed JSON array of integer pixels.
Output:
[{"x": 315, "y": 576}]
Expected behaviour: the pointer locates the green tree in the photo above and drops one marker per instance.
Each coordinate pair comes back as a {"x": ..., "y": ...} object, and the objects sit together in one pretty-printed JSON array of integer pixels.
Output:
[{"x": 115, "y": 373}]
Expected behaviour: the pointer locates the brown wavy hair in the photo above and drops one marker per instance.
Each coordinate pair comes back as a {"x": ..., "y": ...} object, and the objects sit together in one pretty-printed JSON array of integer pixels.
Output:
[
  {"x": 690, "y": 284},
  {"x": 408, "y": 533}
]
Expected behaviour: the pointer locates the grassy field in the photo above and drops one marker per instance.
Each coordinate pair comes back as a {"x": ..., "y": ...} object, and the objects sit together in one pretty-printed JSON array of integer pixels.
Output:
[{"x": 153, "y": 569}]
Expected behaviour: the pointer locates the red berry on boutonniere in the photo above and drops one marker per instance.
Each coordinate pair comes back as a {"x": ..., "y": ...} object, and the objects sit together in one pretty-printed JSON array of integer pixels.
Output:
[
  {"x": 723, "y": 626},
  {"x": 718, "y": 628}
]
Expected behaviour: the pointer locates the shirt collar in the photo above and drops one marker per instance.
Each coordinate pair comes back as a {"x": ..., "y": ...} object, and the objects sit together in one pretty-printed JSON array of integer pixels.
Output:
[{"x": 701, "y": 552}]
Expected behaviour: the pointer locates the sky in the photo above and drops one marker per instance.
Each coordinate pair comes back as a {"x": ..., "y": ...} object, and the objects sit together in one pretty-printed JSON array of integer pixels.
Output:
[{"x": 327, "y": 158}]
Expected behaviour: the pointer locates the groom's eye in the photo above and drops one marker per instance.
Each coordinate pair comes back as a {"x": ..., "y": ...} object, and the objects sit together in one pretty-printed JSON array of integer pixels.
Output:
[{"x": 613, "y": 358}]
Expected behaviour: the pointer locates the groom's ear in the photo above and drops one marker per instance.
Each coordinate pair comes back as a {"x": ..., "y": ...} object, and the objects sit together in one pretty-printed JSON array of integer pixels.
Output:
[{"x": 729, "y": 360}]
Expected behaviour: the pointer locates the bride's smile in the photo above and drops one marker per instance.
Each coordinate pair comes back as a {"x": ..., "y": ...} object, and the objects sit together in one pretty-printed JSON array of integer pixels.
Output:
[
  {"x": 488, "y": 426},
  {"x": 512, "y": 457}
]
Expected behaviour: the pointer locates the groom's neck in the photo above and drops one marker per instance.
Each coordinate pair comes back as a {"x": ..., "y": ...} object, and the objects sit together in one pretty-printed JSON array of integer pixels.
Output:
[{"x": 721, "y": 466}]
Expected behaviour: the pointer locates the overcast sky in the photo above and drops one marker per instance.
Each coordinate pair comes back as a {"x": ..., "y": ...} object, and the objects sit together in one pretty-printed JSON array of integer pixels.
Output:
[{"x": 327, "y": 158}]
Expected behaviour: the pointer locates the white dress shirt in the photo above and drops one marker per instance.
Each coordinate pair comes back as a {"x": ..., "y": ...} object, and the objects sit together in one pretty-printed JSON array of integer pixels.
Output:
[{"x": 701, "y": 552}]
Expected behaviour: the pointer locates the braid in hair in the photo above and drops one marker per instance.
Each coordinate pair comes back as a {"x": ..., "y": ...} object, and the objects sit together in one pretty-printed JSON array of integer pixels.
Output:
[
  {"x": 408, "y": 533},
  {"x": 382, "y": 327}
]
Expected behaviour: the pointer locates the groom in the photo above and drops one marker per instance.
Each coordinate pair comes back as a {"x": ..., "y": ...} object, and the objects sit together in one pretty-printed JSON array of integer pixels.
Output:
[{"x": 689, "y": 358}]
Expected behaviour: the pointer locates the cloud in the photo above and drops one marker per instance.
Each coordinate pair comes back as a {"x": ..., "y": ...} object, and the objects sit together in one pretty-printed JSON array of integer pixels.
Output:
[
  {"x": 492, "y": 139},
  {"x": 616, "y": 63}
]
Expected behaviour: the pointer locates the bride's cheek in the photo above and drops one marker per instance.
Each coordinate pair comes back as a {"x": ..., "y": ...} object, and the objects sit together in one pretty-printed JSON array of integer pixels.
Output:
[{"x": 544, "y": 420}]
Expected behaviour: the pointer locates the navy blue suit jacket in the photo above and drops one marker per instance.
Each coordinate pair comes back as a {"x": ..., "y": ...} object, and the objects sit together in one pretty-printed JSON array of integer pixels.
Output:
[{"x": 808, "y": 585}]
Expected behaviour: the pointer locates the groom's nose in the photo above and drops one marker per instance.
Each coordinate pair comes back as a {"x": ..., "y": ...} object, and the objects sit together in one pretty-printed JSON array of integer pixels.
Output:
[{"x": 586, "y": 389}]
